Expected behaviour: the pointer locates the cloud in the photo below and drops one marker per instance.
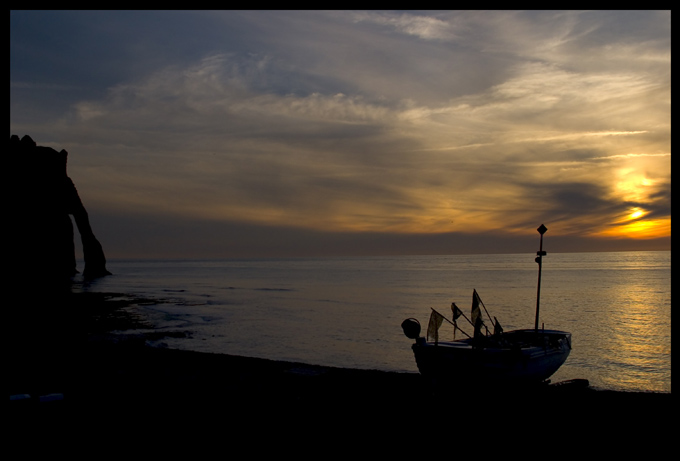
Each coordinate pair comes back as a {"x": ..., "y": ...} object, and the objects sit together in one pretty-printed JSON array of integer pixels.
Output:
[
  {"x": 421, "y": 26},
  {"x": 404, "y": 122},
  {"x": 235, "y": 139}
]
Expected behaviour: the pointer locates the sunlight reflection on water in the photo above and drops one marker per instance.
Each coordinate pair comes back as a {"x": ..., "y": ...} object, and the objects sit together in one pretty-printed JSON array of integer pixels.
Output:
[{"x": 347, "y": 312}]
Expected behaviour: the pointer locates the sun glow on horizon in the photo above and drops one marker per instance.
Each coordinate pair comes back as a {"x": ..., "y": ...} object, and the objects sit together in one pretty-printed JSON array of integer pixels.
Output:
[
  {"x": 640, "y": 229},
  {"x": 262, "y": 136}
]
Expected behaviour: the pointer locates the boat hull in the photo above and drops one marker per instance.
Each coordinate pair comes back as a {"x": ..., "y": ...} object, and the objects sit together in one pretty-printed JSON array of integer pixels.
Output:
[{"x": 522, "y": 357}]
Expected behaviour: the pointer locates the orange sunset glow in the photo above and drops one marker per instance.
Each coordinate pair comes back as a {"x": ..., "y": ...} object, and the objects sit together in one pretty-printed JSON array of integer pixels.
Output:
[{"x": 294, "y": 133}]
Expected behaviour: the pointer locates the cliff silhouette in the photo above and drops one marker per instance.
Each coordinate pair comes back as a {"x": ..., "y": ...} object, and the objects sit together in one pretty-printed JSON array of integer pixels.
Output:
[{"x": 42, "y": 198}]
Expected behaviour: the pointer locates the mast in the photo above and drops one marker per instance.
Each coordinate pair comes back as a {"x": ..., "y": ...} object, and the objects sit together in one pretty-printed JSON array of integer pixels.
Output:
[{"x": 539, "y": 259}]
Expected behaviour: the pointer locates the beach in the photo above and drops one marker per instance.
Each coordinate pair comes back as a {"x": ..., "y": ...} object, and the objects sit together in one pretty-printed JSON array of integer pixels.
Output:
[{"x": 86, "y": 370}]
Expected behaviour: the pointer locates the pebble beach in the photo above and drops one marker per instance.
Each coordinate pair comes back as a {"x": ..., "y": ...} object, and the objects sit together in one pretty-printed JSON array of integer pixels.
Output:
[{"x": 81, "y": 367}]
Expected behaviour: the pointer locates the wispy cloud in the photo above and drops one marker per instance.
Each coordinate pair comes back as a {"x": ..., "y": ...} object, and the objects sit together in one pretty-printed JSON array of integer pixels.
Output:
[
  {"x": 371, "y": 121},
  {"x": 421, "y": 26}
]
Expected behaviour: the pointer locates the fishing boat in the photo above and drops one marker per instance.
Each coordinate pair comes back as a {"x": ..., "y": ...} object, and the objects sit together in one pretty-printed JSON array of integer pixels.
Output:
[{"x": 496, "y": 357}]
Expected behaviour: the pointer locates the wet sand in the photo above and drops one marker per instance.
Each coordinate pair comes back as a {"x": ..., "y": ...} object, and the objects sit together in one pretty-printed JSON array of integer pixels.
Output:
[{"x": 100, "y": 379}]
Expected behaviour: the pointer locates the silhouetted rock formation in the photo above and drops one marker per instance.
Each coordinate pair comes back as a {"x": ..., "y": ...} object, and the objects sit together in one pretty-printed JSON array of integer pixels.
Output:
[{"x": 42, "y": 197}]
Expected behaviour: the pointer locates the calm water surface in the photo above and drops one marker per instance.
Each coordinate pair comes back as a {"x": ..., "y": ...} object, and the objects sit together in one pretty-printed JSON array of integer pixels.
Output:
[{"x": 347, "y": 312}]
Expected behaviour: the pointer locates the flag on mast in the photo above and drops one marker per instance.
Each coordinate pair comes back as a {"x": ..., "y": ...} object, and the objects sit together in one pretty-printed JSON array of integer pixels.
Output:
[
  {"x": 436, "y": 320},
  {"x": 476, "y": 314},
  {"x": 497, "y": 328},
  {"x": 456, "y": 313}
]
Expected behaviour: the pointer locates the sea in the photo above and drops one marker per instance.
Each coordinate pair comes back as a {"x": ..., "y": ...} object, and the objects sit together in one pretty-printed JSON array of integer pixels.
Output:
[{"x": 347, "y": 311}]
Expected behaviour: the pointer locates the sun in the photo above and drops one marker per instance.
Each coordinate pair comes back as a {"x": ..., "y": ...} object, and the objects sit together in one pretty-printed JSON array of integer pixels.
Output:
[
  {"x": 636, "y": 222},
  {"x": 633, "y": 225},
  {"x": 637, "y": 213}
]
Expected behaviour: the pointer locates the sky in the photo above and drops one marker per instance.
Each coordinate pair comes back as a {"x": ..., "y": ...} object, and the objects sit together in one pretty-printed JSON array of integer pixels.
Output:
[{"x": 200, "y": 134}]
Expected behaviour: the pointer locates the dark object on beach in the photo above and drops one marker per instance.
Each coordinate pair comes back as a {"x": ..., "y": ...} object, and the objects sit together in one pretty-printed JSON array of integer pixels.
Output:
[
  {"x": 497, "y": 358},
  {"x": 42, "y": 197},
  {"x": 411, "y": 328}
]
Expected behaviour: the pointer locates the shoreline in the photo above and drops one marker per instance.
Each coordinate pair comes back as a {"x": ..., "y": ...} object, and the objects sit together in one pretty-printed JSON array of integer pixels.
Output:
[{"x": 94, "y": 373}]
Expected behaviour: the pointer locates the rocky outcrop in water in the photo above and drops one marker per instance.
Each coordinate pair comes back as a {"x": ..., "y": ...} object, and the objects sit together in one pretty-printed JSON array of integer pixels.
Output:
[{"x": 42, "y": 197}]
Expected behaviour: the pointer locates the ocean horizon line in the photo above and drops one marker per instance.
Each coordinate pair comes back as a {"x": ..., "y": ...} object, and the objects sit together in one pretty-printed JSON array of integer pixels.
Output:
[{"x": 352, "y": 256}]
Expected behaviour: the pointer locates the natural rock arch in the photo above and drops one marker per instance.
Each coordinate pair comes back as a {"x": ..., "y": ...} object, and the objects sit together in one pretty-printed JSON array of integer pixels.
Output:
[{"x": 42, "y": 197}]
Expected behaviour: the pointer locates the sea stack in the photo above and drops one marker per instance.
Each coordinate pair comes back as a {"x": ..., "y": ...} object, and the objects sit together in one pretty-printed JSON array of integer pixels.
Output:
[{"x": 41, "y": 197}]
